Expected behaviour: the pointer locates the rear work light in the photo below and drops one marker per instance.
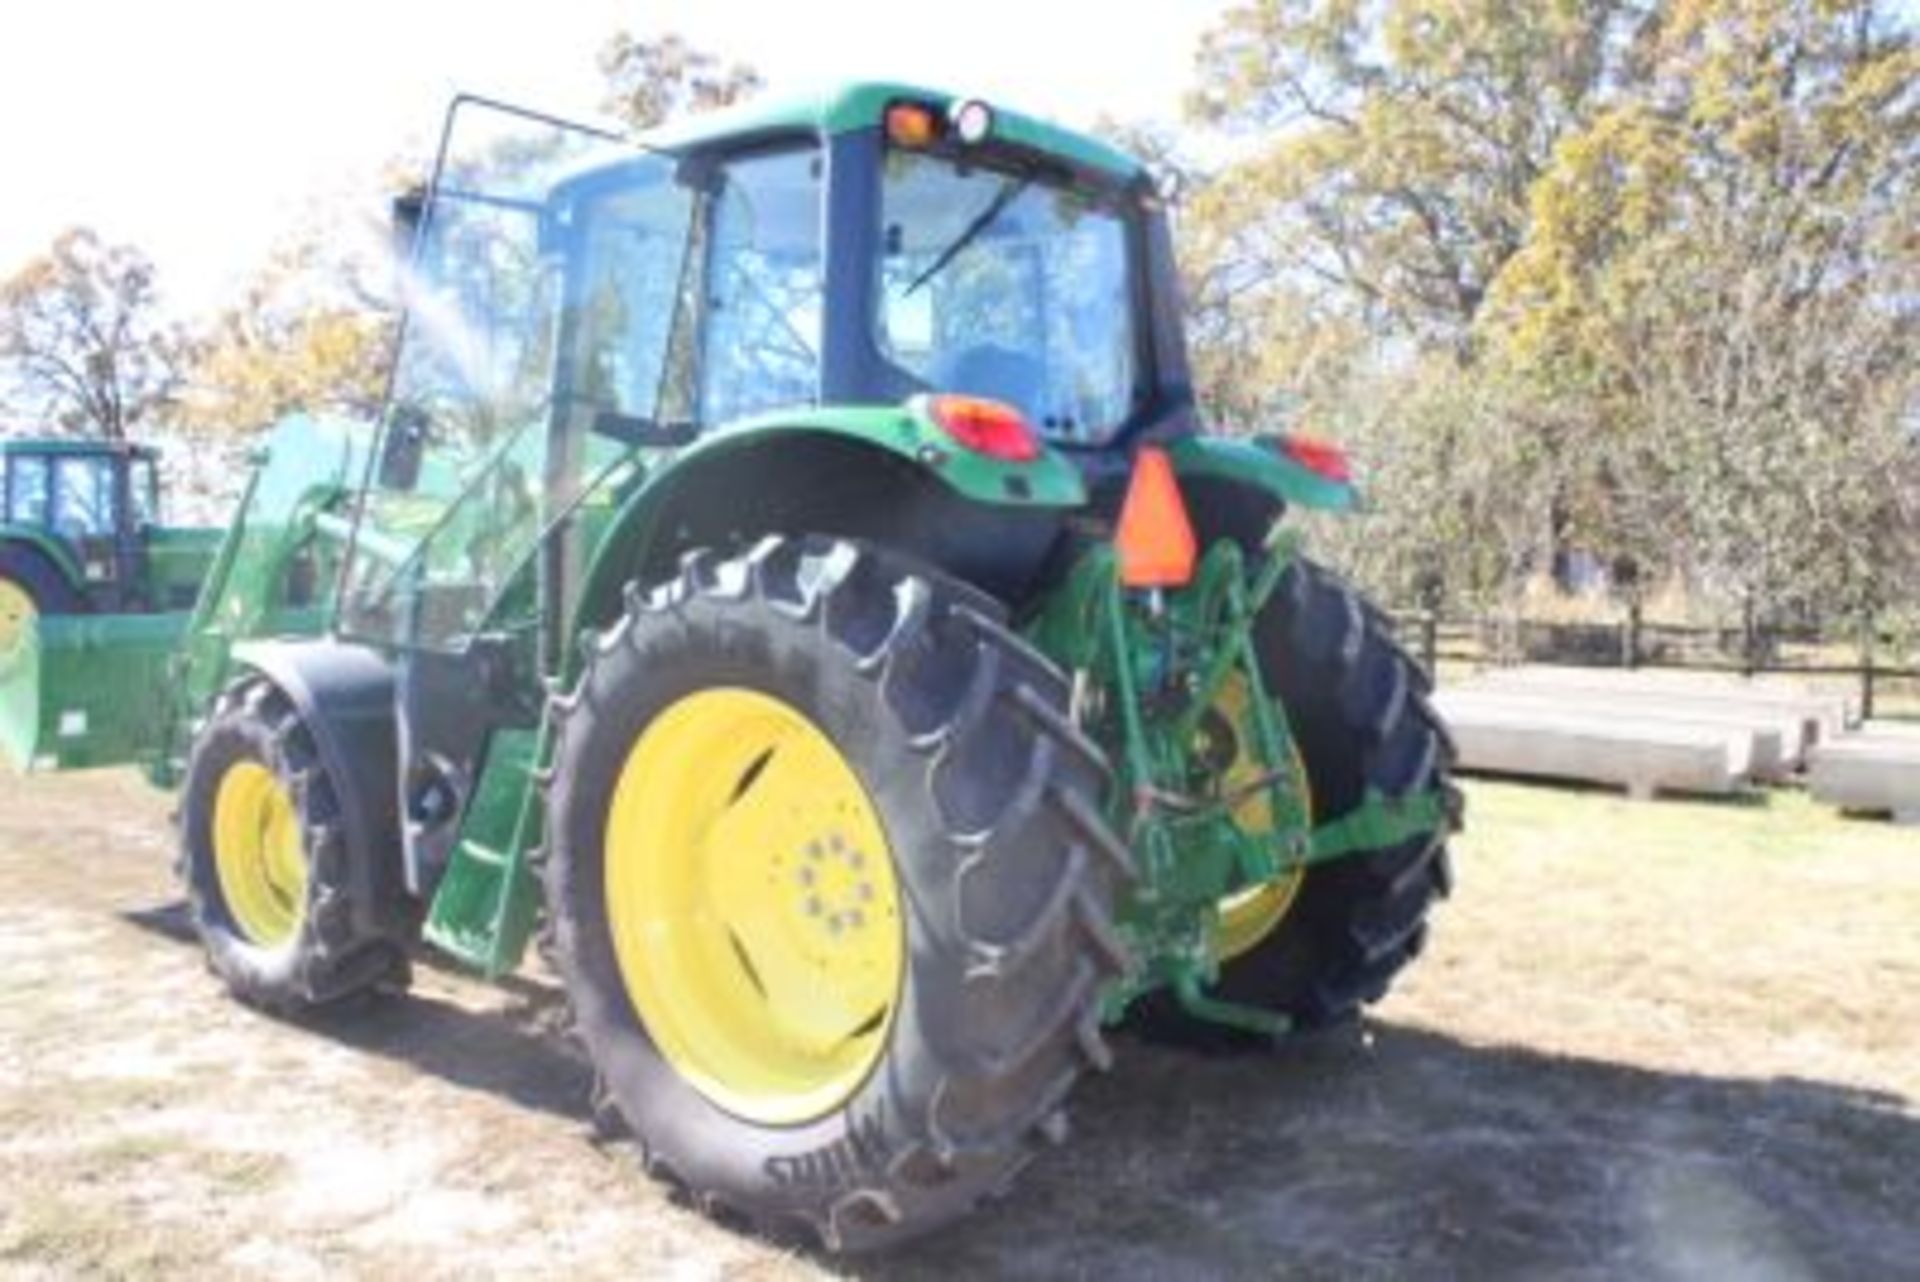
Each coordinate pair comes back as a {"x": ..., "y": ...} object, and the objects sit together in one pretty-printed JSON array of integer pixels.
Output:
[
  {"x": 1155, "y": 538},
  {"x": 1318, "y": 455},
  {"x": 992, "y": 428},
  {"x": 912, "y": 126}
]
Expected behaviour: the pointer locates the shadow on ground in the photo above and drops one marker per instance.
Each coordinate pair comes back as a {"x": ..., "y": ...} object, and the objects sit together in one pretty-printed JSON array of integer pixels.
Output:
[{"x": 1392, "y": 1152}]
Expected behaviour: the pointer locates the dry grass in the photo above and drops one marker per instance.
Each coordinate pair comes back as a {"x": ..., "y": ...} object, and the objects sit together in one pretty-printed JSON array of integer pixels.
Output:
[{"x": 1647, "y": 1040}]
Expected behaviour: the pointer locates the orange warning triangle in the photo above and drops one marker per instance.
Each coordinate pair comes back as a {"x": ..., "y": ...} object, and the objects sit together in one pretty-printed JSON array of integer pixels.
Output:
[{"x": 1155, "y": 539}]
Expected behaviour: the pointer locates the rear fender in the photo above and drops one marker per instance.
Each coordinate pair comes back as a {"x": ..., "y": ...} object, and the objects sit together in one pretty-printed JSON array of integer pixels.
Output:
[
  {"x": 344, "y": 694},
  {"x": 53, "y": 549},
  {"x": 886, "y": 475},
  {"x": 1257, "y": 462}
]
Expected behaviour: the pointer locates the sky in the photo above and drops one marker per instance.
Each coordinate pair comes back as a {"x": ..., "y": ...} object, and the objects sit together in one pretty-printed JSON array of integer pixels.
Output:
[{"x": 204, "y": 131}]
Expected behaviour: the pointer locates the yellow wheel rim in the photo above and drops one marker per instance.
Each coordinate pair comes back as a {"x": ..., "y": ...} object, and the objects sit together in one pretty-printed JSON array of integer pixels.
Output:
[
  {"x": 258, "y": 855},
  {"x": 753, "y": 907},
  {"x": 1252, "y": 914},
  {"x": 17, "y": 614}
]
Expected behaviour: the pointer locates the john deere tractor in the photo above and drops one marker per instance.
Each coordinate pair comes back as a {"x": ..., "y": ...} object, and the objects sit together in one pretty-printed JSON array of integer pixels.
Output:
[
  {"x": 81, "y": 539},
  {"x": 789, "y": 578}
]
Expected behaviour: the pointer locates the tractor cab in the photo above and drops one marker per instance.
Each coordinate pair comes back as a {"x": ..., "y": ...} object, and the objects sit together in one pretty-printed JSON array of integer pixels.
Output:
[
  {"x": 88, "y": 505},
  {"x": 884, "y": 272}
]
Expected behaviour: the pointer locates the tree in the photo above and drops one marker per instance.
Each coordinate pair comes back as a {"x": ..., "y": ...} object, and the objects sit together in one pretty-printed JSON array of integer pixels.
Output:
[
  {"x": 1383, "y": 169},
  {"x": 650, "y": 81},
  {"x": 286, "y": 346},
  {"x": 1722, "y": 271},
  {"x": 1398, "y": 144},
  {"x": 82, "y": 347},
  {"x": 1666, "y": 248},
  {"x": 313, "y": 326}
]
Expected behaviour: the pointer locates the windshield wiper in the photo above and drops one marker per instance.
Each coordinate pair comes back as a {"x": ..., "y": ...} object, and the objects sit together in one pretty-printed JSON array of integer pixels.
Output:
[{"x": 1009, "y": 191}]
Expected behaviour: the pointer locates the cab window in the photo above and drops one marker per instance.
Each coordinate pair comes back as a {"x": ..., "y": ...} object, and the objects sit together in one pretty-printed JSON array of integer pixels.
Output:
[
  {"x": 143, "y": 491},
  {"x": 83, "y": 497},
  {"x": 765, "y": 287},
  {"x": 27, "y": 493}
]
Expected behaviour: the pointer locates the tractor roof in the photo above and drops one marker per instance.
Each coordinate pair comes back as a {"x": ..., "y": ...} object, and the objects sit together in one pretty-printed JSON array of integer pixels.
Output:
[
  {"x": 72, "y": 447},
  {"x": 846, "y": 107}
]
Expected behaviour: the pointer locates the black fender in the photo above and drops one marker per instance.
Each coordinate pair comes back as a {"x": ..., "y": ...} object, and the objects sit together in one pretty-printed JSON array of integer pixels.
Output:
[
  {"x": 815, "y": 482},
  {"x": 345, "y": 695}
]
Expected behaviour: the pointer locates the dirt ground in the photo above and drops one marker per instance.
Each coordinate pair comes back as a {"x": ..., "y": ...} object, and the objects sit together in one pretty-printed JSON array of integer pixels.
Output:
[{"x": 1646, "y": 1041}]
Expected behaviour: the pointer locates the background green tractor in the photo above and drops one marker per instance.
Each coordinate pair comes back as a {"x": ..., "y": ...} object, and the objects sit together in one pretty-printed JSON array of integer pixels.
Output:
[
  {"x": 789, "y": 578},
  {"x": 81, "y": 536}
]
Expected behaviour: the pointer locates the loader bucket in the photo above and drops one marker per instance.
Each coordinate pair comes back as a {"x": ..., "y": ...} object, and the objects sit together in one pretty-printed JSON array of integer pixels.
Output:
[{"x": 87, "y": 690}]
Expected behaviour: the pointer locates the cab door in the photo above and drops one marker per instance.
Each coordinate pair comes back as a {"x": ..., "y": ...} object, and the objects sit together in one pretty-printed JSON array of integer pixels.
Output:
[{"x": 83, "y": 511}]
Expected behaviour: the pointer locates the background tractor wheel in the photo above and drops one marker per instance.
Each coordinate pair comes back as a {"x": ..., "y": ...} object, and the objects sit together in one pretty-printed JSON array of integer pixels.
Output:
[
  {"x": 830, "y": 889},
  {"x": 30, "y": 587},
  {"x": 266, "y": 862}
]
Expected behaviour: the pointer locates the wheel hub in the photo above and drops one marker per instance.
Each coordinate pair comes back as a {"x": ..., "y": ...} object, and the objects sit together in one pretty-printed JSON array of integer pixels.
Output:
[
  {"x": 753, "y": 906},
  {"x": 259, "y": 857}
]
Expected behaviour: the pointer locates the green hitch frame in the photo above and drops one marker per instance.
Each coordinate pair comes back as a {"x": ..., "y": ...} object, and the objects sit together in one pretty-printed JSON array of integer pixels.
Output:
[{"x": 1150, "y": 669}]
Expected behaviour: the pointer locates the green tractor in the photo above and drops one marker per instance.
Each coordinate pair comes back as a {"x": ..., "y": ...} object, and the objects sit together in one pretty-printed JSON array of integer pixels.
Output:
[
  {"x": 81, "y": 537},
  {"x": 789, "y": 580}
]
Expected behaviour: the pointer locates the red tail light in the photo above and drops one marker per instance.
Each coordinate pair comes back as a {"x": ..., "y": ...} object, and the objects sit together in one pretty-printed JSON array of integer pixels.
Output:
[
  {"x": 1318, "y": 455},
  {"x": 992, "y": 428}
]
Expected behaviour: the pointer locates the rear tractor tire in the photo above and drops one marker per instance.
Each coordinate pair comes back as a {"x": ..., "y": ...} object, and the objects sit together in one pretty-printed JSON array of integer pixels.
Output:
[
  {"x": 1321, "y": 944},
  {"x": 267, "y": 865},
  {"x": 830, "y": 889},
  {"x": 29, "y": 588}
]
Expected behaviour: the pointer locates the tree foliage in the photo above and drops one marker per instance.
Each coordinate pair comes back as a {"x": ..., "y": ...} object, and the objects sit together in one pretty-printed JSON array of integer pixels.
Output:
[
  {"x": 1632, "y": 282},
  {"x": 290, "y": 342},
  {"x": 651, "y": 81},
  {"x": 82, "y": 347},
  {"x": 312, "y": 329}
]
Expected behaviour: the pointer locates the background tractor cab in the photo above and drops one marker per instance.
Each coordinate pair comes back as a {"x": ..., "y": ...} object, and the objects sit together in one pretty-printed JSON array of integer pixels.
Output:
[{"x": 87, "y": 508}]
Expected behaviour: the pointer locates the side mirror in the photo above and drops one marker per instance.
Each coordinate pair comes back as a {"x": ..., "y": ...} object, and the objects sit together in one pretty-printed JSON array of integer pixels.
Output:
[
  {"x": 407, "y": 212},
  {"x": 402, "y": 448}
]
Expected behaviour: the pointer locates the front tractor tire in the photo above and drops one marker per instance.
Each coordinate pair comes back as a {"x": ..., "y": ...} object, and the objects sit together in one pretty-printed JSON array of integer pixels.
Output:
[
  {"x": 266, "y": 862},
  {"x": 830, "y": 889}
]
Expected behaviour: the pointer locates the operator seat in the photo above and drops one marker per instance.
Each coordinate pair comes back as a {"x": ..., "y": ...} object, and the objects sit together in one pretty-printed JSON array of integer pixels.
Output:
[{"x": 999, "y": 373}]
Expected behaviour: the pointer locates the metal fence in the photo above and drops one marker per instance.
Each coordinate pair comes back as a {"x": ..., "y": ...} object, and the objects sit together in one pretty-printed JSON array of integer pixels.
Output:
[{"x": 1872, "y": 658}]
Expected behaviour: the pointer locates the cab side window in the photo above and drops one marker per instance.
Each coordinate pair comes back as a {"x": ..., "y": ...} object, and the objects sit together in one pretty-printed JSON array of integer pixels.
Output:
[
  {"x": 143, "y": 491},
  {"x": 82, "y": 497},
  {"x": 765, "y": 287},
  {"x": 27, "y": 494}
]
